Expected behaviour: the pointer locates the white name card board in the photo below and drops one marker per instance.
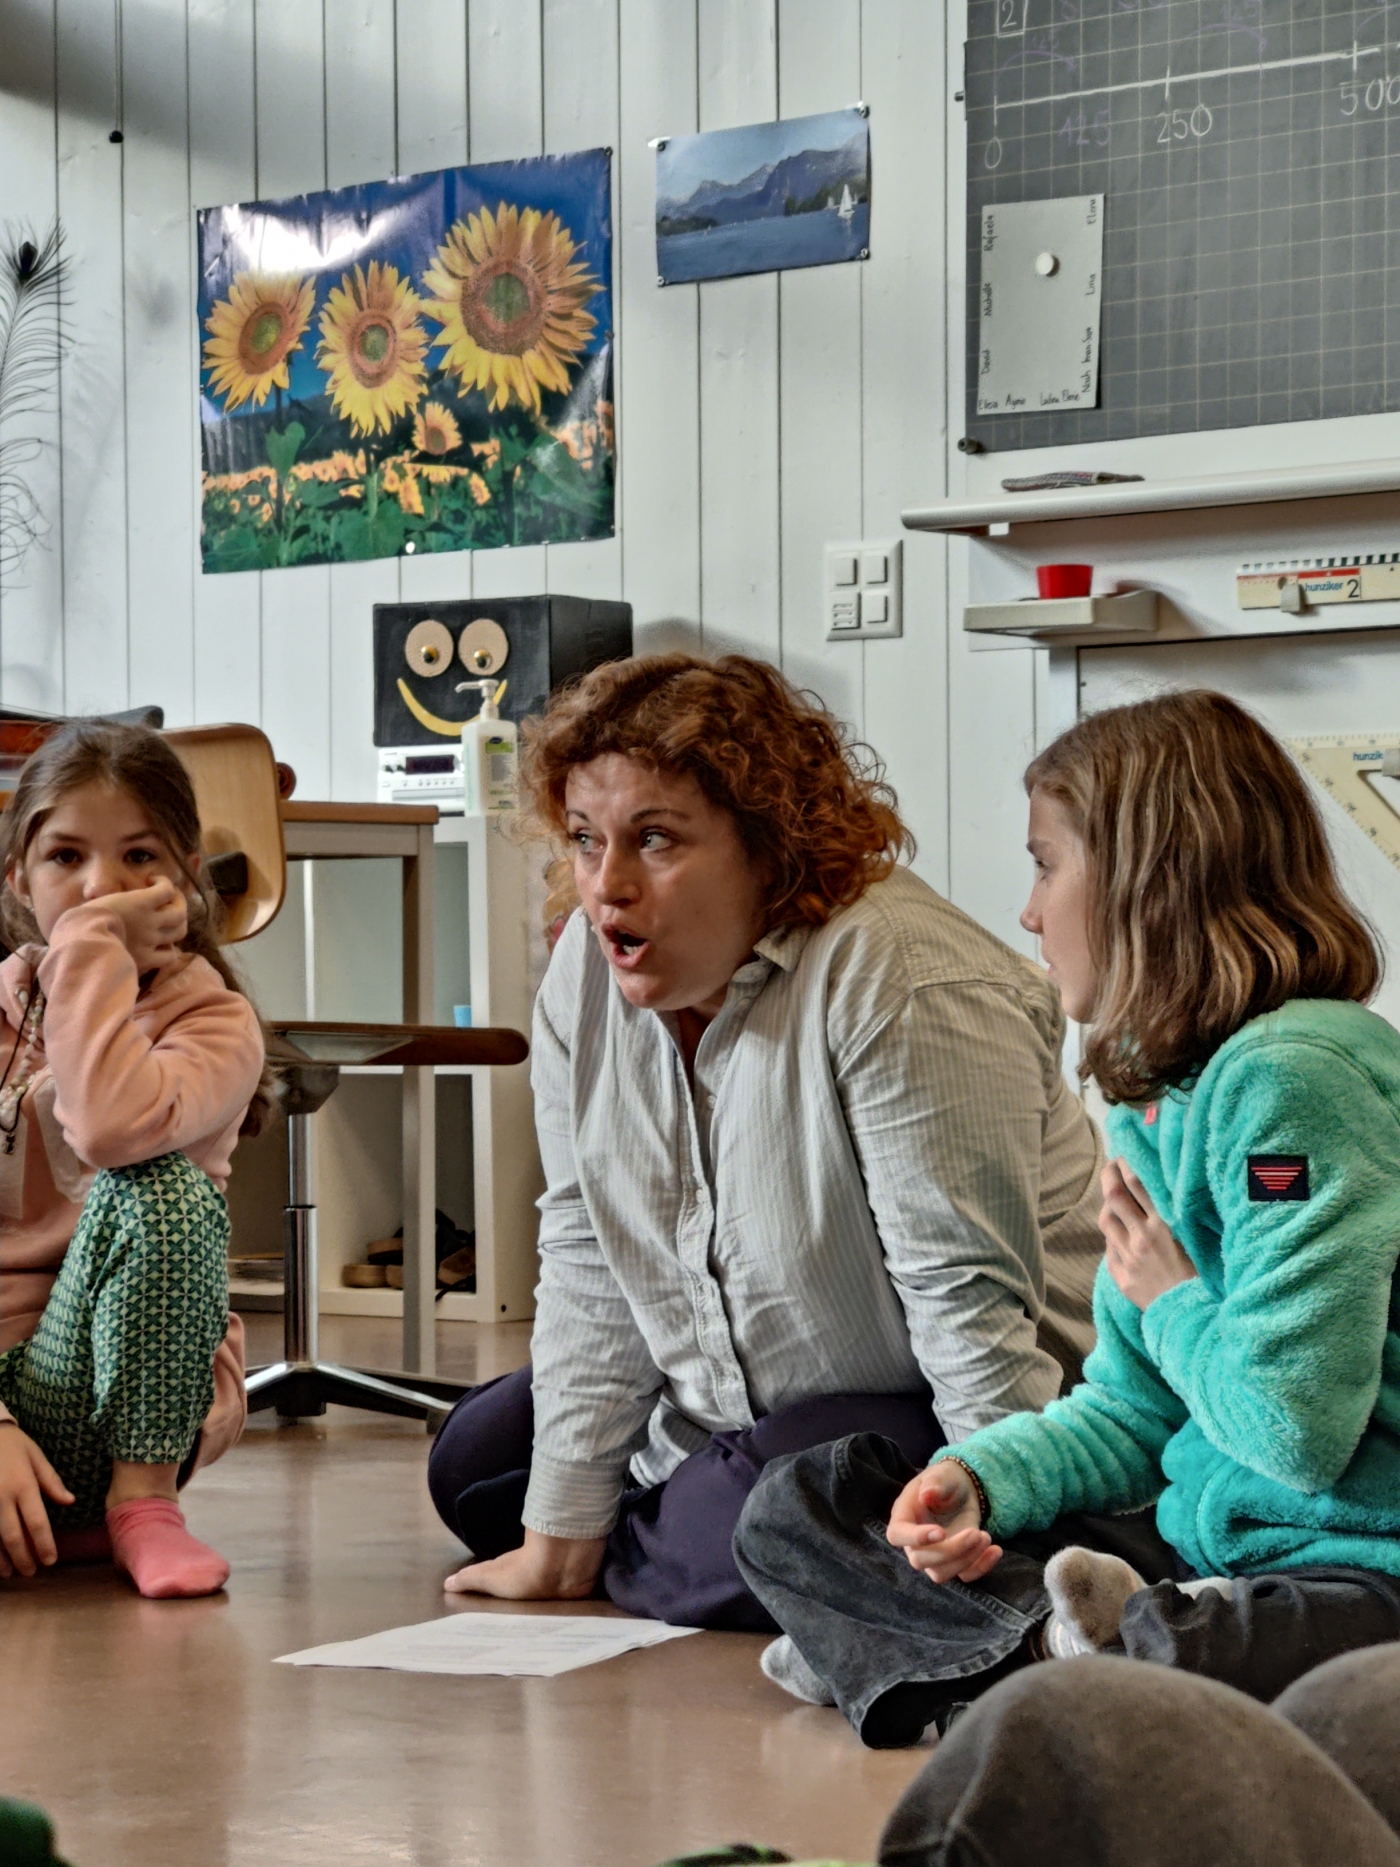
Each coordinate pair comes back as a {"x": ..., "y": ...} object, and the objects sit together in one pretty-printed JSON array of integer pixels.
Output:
[{"x": 1042, "y": 274}]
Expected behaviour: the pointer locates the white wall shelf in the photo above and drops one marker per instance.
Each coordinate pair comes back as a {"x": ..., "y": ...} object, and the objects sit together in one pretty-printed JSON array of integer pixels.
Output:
[
  {"x": 506, "y": 1177},
  {"x": 1278, "y": 486},
  {"x": 335, "y": 952},
  {"x": 1066, "y": 621}
]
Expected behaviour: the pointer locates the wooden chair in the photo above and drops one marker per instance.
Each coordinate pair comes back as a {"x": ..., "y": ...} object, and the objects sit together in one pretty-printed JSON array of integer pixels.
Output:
[{"x": 236, "y": 787}]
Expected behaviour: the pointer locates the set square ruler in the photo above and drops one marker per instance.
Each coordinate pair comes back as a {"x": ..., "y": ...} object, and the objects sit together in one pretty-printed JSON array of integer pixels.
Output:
[{"x": 1344, "y": 765}]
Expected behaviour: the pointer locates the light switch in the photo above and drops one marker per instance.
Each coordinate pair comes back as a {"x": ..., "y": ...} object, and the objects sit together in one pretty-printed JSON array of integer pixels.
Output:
[{"x": 863, "y": 589}]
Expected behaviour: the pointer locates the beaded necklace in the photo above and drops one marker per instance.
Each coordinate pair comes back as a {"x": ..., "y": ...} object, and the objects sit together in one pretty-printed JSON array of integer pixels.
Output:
[{"x": 13, "y": 1093}]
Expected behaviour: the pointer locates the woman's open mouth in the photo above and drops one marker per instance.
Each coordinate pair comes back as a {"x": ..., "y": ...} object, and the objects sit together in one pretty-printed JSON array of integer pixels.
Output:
[{"x": 624, "y": 948}]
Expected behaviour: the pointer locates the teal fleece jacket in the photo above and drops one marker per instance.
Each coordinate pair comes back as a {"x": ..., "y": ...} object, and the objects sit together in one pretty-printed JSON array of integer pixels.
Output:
[{"x": 1258, "y": 1402}]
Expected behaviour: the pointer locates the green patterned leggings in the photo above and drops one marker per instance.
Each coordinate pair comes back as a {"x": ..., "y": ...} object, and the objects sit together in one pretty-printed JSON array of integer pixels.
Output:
[{"x": 122, "y": 1363}]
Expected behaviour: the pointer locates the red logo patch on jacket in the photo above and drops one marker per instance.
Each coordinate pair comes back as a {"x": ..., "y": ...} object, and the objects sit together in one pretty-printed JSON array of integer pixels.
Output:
[{"x": 1278, "y": 1176}]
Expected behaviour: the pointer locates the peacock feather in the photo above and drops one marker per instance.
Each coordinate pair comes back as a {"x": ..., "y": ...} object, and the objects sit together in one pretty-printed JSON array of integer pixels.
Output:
[{"x": 32, "y": 277}]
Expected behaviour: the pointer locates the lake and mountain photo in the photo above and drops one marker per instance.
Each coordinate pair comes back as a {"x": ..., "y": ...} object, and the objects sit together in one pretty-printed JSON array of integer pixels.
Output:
[{"x": 763, "y": 198}]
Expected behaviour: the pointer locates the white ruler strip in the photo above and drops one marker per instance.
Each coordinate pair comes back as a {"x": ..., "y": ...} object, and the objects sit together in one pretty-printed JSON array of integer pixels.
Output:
[{"x": 1311, "y": 582}]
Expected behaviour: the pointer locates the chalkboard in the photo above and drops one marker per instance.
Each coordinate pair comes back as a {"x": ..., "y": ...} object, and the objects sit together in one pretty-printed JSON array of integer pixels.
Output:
[{"x": 1249, "y": 153}]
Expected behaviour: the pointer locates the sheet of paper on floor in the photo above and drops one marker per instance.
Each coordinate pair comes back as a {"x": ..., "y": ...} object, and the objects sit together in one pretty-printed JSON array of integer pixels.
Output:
[{"x": 535, "y": 1646}]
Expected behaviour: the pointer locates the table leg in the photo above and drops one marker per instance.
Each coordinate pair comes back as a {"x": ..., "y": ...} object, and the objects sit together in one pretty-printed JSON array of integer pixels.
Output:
[
  {"x": 419, "y": 1224},
  {"x": 419, "y": 1119}
]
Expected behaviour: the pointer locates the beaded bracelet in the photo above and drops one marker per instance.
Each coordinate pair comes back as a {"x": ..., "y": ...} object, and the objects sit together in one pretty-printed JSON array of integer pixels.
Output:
[{"x": 982, "y": 1503}]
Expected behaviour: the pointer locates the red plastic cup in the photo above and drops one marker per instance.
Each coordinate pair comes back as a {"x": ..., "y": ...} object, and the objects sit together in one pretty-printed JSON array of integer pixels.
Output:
[{"x": 1057, "y": 580}]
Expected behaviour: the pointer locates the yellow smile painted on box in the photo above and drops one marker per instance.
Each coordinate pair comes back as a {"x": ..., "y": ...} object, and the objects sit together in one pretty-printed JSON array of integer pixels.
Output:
[{"x": 450, "y": 729}]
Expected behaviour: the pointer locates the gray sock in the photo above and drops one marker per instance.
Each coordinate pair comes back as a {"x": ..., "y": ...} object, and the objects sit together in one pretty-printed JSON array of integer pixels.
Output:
[
  {"x": 1087, "y": 1593},
  {"x": 785, "y": 1666}
]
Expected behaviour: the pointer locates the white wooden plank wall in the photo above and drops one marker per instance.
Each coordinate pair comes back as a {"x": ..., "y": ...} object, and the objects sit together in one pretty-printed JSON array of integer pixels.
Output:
[
  {"x": 991, "y": 697},
  {"x": 822, "y": 372},
  {"x": 740, "y": 532},
  {"x": 89, "y": 196},
  {"x": 658, "y": 412},
  {"x": 903, "y": 432},
  {"x": 289, "y": 91},
  {"x": 757, "y": 418},
  {"x": 158, "y": 264},
  {"x": 31, "y": 643},
  {"x": 223, "y": 166}
]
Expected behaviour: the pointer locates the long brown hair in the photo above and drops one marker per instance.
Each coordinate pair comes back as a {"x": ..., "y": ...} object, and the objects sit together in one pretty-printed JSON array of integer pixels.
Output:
[
  {"x": 810, "y": 805},
  {"x": 144, "y": 765},
  {"x": 1212, "y": 896}
]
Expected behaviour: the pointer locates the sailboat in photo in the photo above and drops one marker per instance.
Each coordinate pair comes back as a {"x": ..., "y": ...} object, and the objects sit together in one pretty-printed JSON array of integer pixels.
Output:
[{"x": 847, "y": 210}]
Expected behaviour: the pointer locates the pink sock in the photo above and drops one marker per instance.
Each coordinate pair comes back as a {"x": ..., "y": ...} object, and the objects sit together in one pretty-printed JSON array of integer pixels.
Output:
[{"x": 150, "y": 1541}]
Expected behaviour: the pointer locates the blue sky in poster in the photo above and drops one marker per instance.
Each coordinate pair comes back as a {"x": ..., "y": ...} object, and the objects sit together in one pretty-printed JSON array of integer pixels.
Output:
[
  {"x": 402, "y": 222},
  {"x": 730, "y": 155}
]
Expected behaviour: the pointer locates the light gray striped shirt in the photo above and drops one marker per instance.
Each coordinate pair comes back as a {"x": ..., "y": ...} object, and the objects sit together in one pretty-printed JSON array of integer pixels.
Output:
[{"x": 879, "y": 1179}]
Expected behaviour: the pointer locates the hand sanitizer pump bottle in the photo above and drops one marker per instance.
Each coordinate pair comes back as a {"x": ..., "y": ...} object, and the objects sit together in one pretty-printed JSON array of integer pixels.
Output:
[{"x": 490, "y": 756}]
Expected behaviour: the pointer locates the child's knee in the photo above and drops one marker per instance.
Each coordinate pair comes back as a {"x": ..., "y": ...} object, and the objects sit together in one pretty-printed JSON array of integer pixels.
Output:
[
  {"x": 166, "y": 1195},
  {"x": 159, "y": 1223}
]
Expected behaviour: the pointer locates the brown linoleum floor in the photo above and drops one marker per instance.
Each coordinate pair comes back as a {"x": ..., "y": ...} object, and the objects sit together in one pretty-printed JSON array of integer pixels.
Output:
[{"x": 159, "y": 1734}]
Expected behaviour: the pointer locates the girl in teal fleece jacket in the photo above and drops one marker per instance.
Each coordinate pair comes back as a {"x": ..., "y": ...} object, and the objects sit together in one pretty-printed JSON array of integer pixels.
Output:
[
  {"x": 1248, "y": 1382},
  {"x": 1246, "y": 1379}
]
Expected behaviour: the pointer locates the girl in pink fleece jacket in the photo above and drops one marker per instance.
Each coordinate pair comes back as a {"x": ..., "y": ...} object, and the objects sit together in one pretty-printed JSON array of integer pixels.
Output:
[{"x": 132, "y": 1062}]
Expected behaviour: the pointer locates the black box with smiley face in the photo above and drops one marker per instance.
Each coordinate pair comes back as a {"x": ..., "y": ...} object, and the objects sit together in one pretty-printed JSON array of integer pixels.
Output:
[{"x": 422, "y": 651}]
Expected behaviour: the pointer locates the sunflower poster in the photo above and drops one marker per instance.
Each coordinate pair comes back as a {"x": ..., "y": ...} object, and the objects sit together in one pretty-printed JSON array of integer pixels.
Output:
[{"x": 422, "y": 364}]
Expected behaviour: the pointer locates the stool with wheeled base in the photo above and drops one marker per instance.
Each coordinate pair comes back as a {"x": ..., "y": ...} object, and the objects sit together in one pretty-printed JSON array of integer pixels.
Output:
[{"x": 307, "y": 1057}]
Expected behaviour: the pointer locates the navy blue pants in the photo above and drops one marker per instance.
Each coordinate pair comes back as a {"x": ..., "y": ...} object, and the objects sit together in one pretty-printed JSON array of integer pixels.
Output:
[{"x": 669, "y": 1556}]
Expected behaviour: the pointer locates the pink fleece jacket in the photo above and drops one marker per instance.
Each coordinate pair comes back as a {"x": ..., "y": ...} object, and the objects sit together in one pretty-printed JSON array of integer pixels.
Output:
[{"x": 123, "y": 1075}]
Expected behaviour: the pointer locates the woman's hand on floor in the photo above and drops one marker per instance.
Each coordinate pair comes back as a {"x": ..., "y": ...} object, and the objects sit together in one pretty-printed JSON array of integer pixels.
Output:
[
  {"x": 937, "y": 1522},
  {"x": 1143, "y": 1258},
  {"x": 26, "y": 1478},
  {"x": 544, "y": 1568}
]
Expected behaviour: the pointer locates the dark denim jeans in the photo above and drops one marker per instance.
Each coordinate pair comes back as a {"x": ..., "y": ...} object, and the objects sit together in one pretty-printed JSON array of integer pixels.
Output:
[{"x": 900, "y": 1652}]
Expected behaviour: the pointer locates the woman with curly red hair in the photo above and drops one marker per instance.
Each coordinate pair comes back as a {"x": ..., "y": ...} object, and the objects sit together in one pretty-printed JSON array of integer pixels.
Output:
[{"x": 812, "y": 1168}]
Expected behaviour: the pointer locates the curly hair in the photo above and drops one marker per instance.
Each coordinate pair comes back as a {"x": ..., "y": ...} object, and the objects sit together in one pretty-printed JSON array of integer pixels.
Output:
[
  {"x": 1212, "y": 893},
  {"x": 810, "y": 805}
]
